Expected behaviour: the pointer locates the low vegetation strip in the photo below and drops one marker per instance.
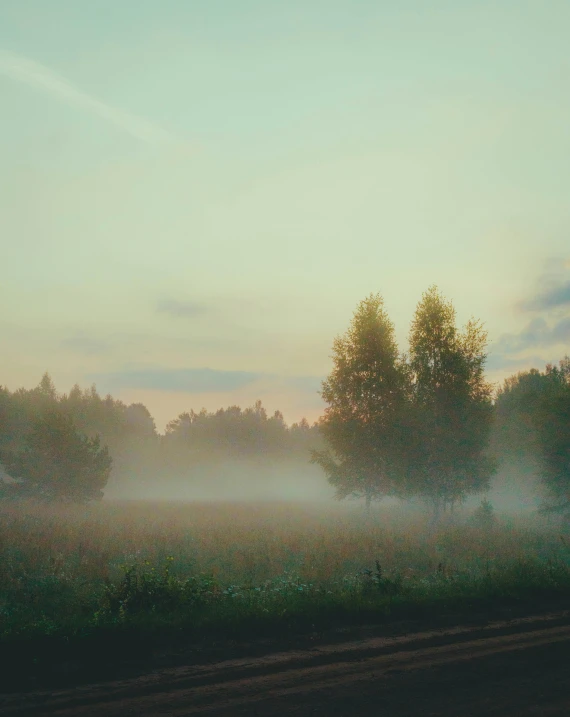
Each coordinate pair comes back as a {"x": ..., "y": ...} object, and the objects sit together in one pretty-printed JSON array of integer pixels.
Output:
[{"x": 66, "y": 609}]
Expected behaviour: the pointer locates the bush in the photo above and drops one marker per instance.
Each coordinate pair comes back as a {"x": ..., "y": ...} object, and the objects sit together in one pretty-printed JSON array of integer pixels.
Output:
[
  {"x": 484, "y": 516},
  {"x": 143, "y": 589}
]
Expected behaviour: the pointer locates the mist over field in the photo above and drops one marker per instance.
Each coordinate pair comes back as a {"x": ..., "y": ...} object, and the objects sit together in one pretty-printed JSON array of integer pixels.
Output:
[
  {"x": 419, "y": 488},
  {"x": 244, "y": 455},
  {"x": 215, "y": 188},
  {"x": 284, "y": 323},
  {"x": 257, "y": 481},
  {"x": 230, "y": 481}
]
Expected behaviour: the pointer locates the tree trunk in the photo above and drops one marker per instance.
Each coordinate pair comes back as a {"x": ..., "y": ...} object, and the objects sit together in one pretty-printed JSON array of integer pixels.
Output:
[{"x": 436, "y": 511}]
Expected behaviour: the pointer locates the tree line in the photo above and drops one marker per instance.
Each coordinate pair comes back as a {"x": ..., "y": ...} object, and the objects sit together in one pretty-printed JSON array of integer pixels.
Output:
[
  {"x": 427, "y": 424},
  {"x": 72, "y": 446},
  {"x": 422, "y": 424}
]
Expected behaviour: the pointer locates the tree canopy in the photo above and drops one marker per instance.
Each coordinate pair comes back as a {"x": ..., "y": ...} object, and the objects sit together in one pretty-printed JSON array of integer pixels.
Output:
[
  {"x": 408, "y": 425},
  {"x": 57, "y": 463},
  {"x": 413, "y": 425},
  {"x": 366, "y": 393},
  {"x": 553, "y": 422},
  {"x": 193, "y": 446},
  {"x": 533, "y": 427},
  {"x": 452, "y": 405}
]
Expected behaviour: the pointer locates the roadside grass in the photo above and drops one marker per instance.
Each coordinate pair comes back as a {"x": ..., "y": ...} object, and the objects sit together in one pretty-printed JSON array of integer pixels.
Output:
[{"x": 97, "y": 585}]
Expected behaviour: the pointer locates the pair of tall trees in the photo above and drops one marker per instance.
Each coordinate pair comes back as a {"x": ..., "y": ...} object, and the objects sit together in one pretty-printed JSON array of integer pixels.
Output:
[{"x": 413, "y": 424}]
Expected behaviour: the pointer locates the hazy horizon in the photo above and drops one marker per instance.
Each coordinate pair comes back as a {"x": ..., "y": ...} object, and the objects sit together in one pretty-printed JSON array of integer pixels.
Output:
[{"x": 195, "y": 197}]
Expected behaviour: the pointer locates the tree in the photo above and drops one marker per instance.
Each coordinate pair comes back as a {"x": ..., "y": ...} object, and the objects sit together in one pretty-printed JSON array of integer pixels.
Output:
[
  {"x": 452, "y": 405},
  {"x": 515, "y": 441},
  {"x": 46, "y": 388},
  {"x": 552, "y": 422},
  {"x": 6, "y": 417},
  {"x": 517, "y": 404},
  {"x": 484, "y": 516},
  {"x": 139, "y": 421},
  {"x": 366, "y": 394},
  {"x": 56, "y": 462}
]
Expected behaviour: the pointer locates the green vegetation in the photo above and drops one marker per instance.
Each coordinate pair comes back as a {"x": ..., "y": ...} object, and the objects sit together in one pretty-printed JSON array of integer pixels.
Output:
[
  {"x": 423, "y": 425},
  {"x": 82, "y": 578},
  {"x": 367, "y": 393},
  {"x": 143, "y": 576},
  {"x": 408, "y": 426},
  {"x": 73, "y": 446},
  {"x": 533, "y": 426},
  {"x": 56, "y": 462}
]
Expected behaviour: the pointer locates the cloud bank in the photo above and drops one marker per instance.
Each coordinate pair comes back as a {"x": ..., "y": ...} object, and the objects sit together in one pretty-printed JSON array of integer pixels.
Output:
[
  {"x": 184, "y": 380},
  {"x": 198, "y": 380},
  {"x": 181, "y": 309},
  {"x": 551, "y": 327},
  {"x": 537, "y": 333},
  {"x": 85, "y": 345},
  {"x": 553, "y": 297}
]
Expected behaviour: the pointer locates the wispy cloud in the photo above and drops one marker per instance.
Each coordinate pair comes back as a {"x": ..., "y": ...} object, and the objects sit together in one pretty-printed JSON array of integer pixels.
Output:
[
  {"x": 550, "y": 327},
  {"x": 306, "y": 384},
  {"x": 552, "y": 297},
  {"x": 201, "y": 380},
  {"x": 83, "y": 344},
  {"x": 184, "y": 380},
  {"x": 552, "y": 289},
  {"x": 500, "y": 362},
  {"x": 181, "y": 309},
  {"x": 537, "y": 333},
  {"x": 25, "y": 70}
]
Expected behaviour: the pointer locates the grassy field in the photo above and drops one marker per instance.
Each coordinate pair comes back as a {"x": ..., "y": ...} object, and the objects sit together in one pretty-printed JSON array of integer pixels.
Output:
[{"x": 134, "y": 575}]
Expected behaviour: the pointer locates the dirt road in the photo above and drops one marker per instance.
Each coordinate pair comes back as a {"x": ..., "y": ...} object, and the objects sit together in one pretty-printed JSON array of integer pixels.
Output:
[{"x": 521, "y": 668}]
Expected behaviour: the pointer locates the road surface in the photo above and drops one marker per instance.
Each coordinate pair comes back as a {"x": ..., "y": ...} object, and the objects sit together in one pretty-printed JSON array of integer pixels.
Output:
[{"x": 518, "y": 668}]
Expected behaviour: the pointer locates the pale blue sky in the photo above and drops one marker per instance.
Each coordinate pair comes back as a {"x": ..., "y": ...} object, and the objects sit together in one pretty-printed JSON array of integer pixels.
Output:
[{"x": 215, "y": 185}]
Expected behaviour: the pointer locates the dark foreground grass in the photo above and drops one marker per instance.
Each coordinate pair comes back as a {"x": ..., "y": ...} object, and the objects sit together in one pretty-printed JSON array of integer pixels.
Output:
[{"x": 148, "y": 611}]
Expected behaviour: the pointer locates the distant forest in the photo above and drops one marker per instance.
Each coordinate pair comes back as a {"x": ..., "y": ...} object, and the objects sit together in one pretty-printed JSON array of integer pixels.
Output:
[
  {"x": 419, "y": 425},
  {"x": 47, "y": 439},
  {"x": 139, "y": 454}
]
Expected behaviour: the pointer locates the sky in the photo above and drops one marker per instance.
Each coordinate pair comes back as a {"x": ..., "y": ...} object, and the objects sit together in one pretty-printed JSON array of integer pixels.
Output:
[{"x": 194, "y": 196}]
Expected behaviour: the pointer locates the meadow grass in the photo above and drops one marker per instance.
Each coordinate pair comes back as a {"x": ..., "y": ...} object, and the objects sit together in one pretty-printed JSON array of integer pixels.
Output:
[{"x": 134, "y": 575}]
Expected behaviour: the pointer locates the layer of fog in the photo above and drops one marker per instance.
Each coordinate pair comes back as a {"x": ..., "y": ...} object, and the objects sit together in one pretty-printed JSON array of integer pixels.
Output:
[
  {"x": 229, "y": 481},
  {"x": 515, "y": 489}
]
